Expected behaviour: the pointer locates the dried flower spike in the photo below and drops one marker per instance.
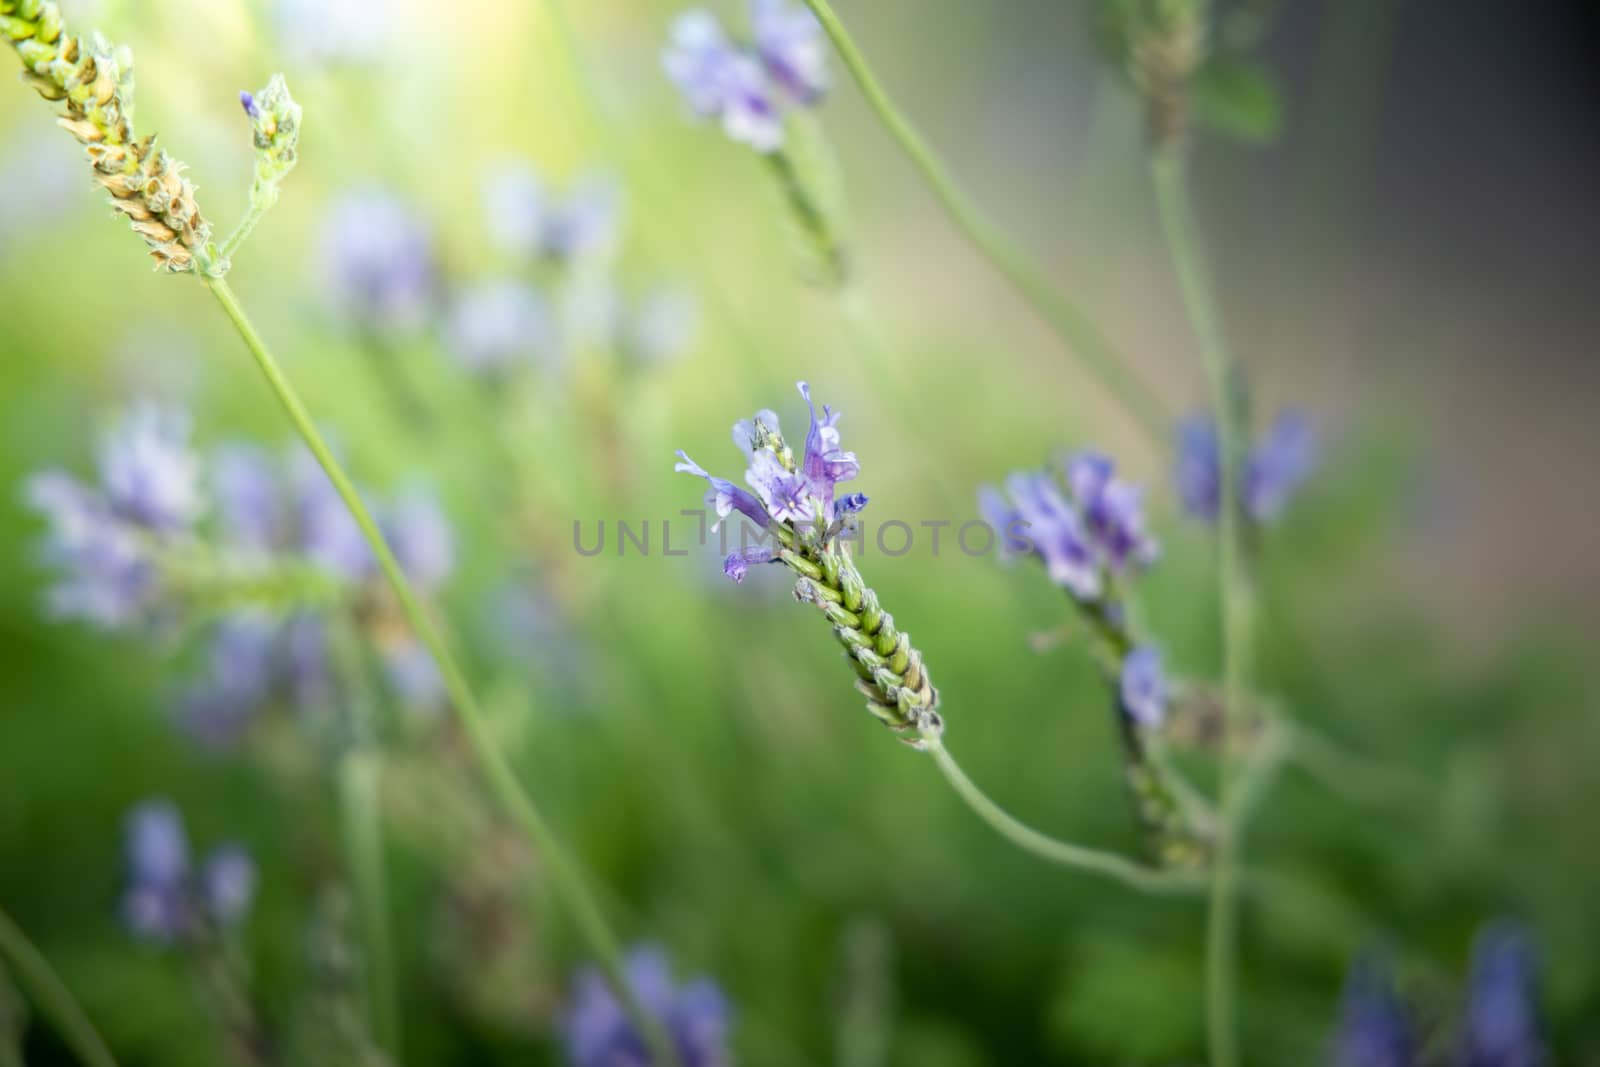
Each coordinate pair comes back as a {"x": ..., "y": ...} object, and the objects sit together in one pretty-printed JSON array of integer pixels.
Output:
[
  {"x": 801, "y": 517},
  {"x": 95, "y": 83}
]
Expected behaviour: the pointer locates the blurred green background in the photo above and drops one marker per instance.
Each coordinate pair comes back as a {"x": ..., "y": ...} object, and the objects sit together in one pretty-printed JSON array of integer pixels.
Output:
[{"x": 1407, "y": 264}]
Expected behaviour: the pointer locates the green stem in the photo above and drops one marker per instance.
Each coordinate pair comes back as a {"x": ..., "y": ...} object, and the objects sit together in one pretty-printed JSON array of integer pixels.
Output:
[
  {"x": 1086, "y": 340},
  {"x": 259, "y": 206},
  {"x": 360, "y": 795},
  {"x": 1222, "y": 951},
  {"x": 563, "y": 872},
  {"x": 51, "y": 996},
  {"x": 1118, "y": 868}
]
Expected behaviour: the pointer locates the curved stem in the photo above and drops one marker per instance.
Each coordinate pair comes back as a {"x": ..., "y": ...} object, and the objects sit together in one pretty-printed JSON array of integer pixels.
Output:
[
  {"x": 1118, "y": 868},
  {"x": 502, "y": 781},
  {"x": 1086, "y": 340},
  {"x": 1177, "y": 222},
  {"x": 51, "y": 997}
]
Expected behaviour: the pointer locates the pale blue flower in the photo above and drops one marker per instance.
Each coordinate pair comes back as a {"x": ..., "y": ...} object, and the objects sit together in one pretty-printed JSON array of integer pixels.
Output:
[
  {"x": 1275, "y": 468},
  {"x": 421, "y": 537},
  {"x": 164, "y": 900},
  {"x": 724, "y": 497}
]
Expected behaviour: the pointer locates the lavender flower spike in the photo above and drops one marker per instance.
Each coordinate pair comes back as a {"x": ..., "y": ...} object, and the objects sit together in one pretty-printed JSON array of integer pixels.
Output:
[
  {"x": 802, "y": 520},
  {"x": 695, "y": 1015},
  {"x": 151, "y": 477}
]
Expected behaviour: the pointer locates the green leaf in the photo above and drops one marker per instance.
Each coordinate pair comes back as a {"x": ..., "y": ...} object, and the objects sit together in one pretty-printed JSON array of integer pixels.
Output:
[{"x": 1238, "y": 98}]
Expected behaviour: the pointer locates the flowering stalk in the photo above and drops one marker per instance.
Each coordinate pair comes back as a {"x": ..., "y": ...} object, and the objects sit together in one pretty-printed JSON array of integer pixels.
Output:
[
  {"x": 1094, "y": 350},
  {"x": 1222, "y": 937},
  {"x": 96, "y": 84},
  {"x": 805, "y": 525},
  {"x": 51, "y": 996}
]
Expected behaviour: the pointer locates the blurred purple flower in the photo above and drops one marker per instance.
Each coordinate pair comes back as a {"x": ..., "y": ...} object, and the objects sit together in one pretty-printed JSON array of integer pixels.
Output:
[
  {"x": 249, "y": 497},
  {"x": 1374, "y": 1027},
  {"x": 499, "y": 325},
  {"x": 341, "y": 32},
  {"x": 1197, "y": 475},
  {"x": 825, "y": 463},
  {"x": 228, "y": 884},
  {"x": 103, "y": 538},
  {"x": 695, "y": 1016},
  {"x": 724, "y": 497},
  {"x": 722, "y": 81},
  {"x": 414, "y": 675},
  {"x": 1143, "y": 687},
  {"x": 163, "y": 900},
  {"x": 327, "y": 533},
  {"x": 527, "y": 221},
  {"x": 421, "y": 537},
  {"x": 1279, "y": 465},
  {"x": 1095, "y": 527},
  {"x": 150, "y": 475},
  {"x": 1275, "y": 468},
  {"x": 155, "y": 904},
  {"x": 1501, "y": 1027},
  {"x": 379, "y": 262},
  {"x": 792, "y": 47},
  {"x": 659, "y": 327}
]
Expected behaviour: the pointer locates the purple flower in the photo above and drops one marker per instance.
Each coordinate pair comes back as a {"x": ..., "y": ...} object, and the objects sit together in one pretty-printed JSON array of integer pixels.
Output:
[
  {"x": 1112, "y": 509},
  {"x": 792, "y": 47},
  {"x": 228, "y": 884},
  {"x": 108, "y": 578},
  {"x": 1057, "y": 533},
  {"x": 825, "y": 463},
  {"x": 499, "y": 325},
  {"x": 328, "y": 535},
  {"x": 737, "y": 565},
  {"x": 248, "y": 102},
  {"x": 1501, "y": 1028},
  {"x": 103, "y": 538},
  {"x": 695, "y": 1016},
  {"x": 1275, "y": 469},
  {"x": 150, "y": 476},
  {"x": 1280, "y": 464},
  {"x": 1198, "y": 478},
  {"x": 242, "y": 669},
  {"x": 249, "y": 498},
  {"x": 526, "y": 221},
  {"x": 720, "y": 81},
  {"x": 164, "y": 901},
  {"x": 1006, "y": 522},
  {"x": 796, "y": 494},
  {"x": 379, "y": 263},
  {"x": 1374, "y": 1028},
  {"x": 724, "y": 497},
  {"x": 156, "y": 849},
  {"x": 1143, "y": 687},
  {"x": 421, "y": 537}
]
